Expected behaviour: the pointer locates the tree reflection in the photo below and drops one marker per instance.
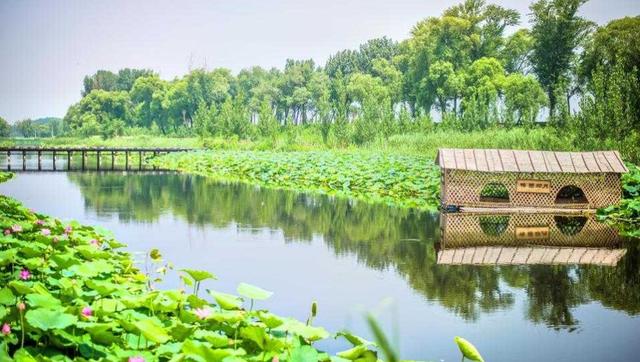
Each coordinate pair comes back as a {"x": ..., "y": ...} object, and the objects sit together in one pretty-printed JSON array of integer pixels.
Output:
[{"x": 381, "y": 237}]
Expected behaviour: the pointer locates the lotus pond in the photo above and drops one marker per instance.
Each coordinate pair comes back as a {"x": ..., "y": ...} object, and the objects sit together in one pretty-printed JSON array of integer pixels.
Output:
[{"x": 353, "y": 257}]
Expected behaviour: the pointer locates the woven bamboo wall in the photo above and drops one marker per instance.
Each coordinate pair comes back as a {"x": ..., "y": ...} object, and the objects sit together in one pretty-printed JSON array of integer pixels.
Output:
[
  {"x": 463, "y": 230},
  {"x": 463, "y": 188}
]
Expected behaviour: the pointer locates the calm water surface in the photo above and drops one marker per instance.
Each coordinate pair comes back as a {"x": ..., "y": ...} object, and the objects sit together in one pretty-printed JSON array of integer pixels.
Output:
[{"x": 353, "y": 257}]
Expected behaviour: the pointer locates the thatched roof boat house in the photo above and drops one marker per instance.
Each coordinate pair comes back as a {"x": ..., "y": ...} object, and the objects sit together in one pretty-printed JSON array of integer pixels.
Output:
[{"x": 529, "y": 179}]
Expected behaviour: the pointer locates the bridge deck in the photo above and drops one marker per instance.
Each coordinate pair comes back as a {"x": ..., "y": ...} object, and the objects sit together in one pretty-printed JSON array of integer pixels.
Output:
[{"x": 30, "y": 158}]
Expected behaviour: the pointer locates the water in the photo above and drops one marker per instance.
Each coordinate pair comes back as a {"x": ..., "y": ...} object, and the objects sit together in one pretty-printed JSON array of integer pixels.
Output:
[{"x": 353, "y": 257}]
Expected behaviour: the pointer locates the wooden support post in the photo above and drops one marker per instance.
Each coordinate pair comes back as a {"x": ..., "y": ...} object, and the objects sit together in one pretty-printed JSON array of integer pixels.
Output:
[
  {"x": 54, "y": 160},
  {"x": 69, "y": 160},
  {"x": 140, "y": 161},
  {"x": 9, "y": 160},
  {"x": 126, "y": 160},
  {"x": 39, "y": 160},
  {"x": 97, "y": 160},
  {"x": 24, "y": 160},
  {"x": 155, "y": 154},
  {"x": 112, "y": 160},
  {"x": 84, "y": 157}
]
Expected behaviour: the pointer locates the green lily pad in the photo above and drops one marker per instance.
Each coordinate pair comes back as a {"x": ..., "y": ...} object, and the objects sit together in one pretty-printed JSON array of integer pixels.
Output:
[
  {"x": 46, "y": 319},
  {"x": 253, "y": 292}
]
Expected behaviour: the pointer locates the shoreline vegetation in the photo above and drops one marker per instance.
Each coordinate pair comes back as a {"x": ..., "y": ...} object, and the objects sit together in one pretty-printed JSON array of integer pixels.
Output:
[
  {"x": 399, "y": 180},
  {"x": 69, "y": 293}
]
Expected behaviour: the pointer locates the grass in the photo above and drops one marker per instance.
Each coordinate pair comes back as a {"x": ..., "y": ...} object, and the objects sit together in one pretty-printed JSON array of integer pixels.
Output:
[{"x": 308, "y": 138}]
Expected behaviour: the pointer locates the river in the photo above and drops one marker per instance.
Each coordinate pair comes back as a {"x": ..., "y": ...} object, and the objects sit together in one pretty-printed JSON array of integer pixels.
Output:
[{"x": 354, "y": 257}]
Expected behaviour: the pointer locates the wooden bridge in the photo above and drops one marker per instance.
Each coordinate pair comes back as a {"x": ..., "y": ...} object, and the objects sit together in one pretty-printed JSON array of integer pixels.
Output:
[{"x": 91, "y": 158}]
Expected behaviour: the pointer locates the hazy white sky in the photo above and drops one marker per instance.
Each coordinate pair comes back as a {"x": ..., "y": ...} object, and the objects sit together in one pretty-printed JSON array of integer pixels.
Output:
[{"x": 47, "y": 47}]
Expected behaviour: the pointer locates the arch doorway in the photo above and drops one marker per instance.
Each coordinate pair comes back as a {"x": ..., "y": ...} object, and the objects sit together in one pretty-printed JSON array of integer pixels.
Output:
[
  {"x": 494, "y": 192},
  {"x": 571, "y": 195}
]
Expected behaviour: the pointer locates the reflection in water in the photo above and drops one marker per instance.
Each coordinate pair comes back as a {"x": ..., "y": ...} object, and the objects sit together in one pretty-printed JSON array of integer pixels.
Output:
[
  {"x": 527, "y": 239},
  {"x": 407, "y": 241}
]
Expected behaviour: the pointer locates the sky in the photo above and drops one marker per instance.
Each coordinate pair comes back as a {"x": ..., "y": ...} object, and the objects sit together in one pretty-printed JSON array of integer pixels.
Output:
[{"x": 47, "y": 47}]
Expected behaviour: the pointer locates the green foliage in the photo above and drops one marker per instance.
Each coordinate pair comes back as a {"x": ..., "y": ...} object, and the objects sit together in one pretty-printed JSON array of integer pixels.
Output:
[
  {"x": 69, "y": 314},
  {"x": 626, "y": 215},
  {"x": 607, "y": 114},
  {"x": 410, "y": 181},
  {"x": 468, "y": 350},
  {"x": 5, "y": 129},
  {"x": 557, "y": 27}
]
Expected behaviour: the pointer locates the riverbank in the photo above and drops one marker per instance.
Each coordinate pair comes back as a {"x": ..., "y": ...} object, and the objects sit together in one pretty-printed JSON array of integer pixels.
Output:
[
  {"x": 309, "y": 138},
  {"x": 68, "y": 292}
]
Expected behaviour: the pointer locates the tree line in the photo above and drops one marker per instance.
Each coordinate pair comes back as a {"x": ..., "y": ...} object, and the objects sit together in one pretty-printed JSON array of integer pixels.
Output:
[{"x": 469, "y": 69}]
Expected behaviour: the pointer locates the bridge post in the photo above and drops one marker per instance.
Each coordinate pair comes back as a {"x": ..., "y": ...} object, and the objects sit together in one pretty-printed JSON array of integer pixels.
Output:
[
  {"x": 39, "y": 160},
  {"x": 24, "y": 160},
  {"x": 84, "y": 156},
  {"x": 9, "y": 160},
  {"x": 112, "y": 160},
  {"x": 97, "y": 160},
  {"x": 54, "y": 160},
  {"x": 140, "y": 161},
  {"x": 126, "y": 160},
  {"x": 69, "y": 160}
]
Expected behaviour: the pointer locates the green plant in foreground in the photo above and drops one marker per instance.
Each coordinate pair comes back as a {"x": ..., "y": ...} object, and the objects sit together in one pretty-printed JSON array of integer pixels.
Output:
[
  {"x": 468, "y": 350},
  {"x": 68, "y": 293}
]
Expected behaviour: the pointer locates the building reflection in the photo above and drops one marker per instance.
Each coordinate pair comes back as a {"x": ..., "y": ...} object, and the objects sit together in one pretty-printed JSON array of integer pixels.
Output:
[{"x": 527, "y": 239}]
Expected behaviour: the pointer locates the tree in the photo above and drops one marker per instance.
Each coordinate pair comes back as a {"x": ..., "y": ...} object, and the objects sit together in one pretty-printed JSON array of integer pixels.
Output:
[
  {"x": 149, "y": 96},
  {"x": 607, "y": 116},
  {"x": 517, "y": 51},
  {"x": 523, "y": 98},
  {"x": 267, "y": 122},
  {"x": 615, "y": 45},
  {"x": 441, "y": 49},
  {"x": 100, "y": 112},
  {"x": 109, "y": 81},
  {"x": 557, "y": 31},
  {"x": 484, "y": 81},
  {"x": 375, "y": 106},
  {"x": 5, "y": 129},
  {"x": 25, "y": 128}
]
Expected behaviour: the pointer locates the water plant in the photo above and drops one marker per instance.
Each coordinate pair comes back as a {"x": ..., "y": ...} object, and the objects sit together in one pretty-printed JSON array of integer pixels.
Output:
[
  {"x": 400, "y": 180},
  {"x": 71, "y": 294},
  {"x": 626, "y": 214}
]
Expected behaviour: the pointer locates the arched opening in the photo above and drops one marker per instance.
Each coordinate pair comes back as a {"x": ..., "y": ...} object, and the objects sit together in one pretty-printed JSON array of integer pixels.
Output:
[
  {"x": 494, "y": 225},
  {"x": 494, "y": 192},
  {"x": 571, "y": 195},
  {"x": 570, "y": 225}
]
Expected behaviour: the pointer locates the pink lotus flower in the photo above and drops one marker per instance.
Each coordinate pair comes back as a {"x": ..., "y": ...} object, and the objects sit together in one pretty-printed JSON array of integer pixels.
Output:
[
  {"x": 16, "y": 228},
  {"x": 45, "y": 232},
  {"x": 39, "y": 222},
  {"x": 68, "y": 229},
  {"x": 25, "y": 274},
  {"x": 6, "y": 329},
  {"x": 94, "y": 242},
  {"x": 275, "y": 359},
  {"x": 21, "y": 306},
  {"x": 136, "y": 359},
  {"x": 87, "y": 312},
  {"x": 7, "y": 231},
  {"x": 202, "y": 313}
]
